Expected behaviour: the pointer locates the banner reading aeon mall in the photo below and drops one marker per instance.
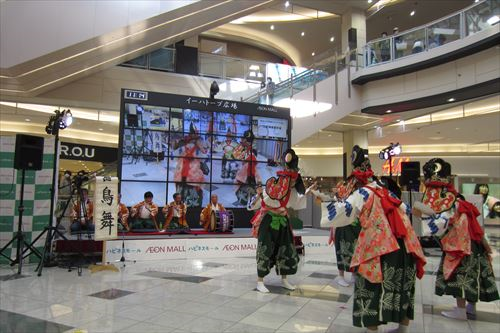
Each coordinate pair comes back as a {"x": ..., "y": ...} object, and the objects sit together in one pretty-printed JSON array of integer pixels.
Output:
[{"x": 36, "y": 196}]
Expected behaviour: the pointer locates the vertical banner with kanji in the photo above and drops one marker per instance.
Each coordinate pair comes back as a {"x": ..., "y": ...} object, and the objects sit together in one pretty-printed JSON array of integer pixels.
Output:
[{"x": 106, "y": 208}]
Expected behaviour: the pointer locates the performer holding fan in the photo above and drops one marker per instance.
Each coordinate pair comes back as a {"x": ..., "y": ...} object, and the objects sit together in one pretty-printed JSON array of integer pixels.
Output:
[
  {"x": 388, "y": 254},
  {"x": 271, "y": 225}
]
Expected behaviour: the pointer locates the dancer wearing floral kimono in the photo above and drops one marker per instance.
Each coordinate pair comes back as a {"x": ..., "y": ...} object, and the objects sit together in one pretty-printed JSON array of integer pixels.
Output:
[
  {"x": 271, "y": 225},
  {"x": 388, "y": 254},
  {"x": 465, "y": 271}
]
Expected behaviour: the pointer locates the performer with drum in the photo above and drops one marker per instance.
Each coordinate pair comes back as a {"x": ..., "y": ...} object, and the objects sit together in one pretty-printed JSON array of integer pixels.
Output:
[{"x": 207, "y": 212}]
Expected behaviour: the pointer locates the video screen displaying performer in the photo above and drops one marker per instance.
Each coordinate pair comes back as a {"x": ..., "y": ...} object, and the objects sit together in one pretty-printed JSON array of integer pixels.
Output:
[{"x": 169, "y": 150}]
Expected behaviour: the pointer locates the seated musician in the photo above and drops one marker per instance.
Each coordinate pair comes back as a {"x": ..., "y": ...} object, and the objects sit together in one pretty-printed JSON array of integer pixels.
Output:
[
  {"x": 206, "y": 213},
  {"x": 144, "y": 214},
  {"x": 175, "y": 214},
  {"x": 123, "y": 214},
  {"x": 83, "y": 219}
]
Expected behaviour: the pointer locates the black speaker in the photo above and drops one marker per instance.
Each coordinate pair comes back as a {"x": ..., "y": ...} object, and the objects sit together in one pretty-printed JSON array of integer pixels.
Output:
[
  {"x": 410, "y": 174},
  {"x": 29, "y": 152},
  {"x": 352, "y": 38}
]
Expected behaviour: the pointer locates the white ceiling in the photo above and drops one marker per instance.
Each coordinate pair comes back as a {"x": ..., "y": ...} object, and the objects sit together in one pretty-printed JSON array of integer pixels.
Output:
[{"x": 286, "y": 37}]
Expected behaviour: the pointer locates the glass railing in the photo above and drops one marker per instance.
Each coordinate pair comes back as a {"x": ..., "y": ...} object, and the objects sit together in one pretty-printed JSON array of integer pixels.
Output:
[
  {"x": 327, "y": 68},
  {"x": 159, "y": 60},
  {"x": 478, "y": 17},
  {"x": 224, "y": 67}
]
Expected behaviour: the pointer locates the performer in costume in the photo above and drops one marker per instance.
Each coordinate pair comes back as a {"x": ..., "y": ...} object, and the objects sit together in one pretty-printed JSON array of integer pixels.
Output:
[
  {"x": 271, "y": 225},
  {"x": 206, "y": 213},
  {"x": 345, "y": 237},
  {"x": 123, "y": 213},
  {"x": 175, "y": 214},
  {"x": 388, "y": 254},
  {"x": 465, "y": 271},
  {"x": 82, "y": 213},
  {"x": 190, "y": 169},
  {"x": 144, "y": 214},
  {"x": 247, "y": 176},
  {"x": 228, "y": 147}
]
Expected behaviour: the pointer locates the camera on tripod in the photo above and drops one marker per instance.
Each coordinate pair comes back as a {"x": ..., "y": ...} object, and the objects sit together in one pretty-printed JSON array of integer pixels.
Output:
[{"x": 80, "y": 178}]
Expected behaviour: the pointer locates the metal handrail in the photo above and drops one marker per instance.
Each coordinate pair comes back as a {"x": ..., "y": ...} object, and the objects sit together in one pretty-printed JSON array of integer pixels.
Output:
[{"x": 371, "y": 47}]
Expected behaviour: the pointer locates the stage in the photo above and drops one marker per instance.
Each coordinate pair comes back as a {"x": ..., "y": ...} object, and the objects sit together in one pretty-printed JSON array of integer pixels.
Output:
[{"x": 240, "y": 243}]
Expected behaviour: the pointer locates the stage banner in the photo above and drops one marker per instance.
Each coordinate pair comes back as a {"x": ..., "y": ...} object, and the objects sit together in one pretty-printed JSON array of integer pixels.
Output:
[
  {"x": 36, "y": 197},
  {"x": 106, "y": 208}
]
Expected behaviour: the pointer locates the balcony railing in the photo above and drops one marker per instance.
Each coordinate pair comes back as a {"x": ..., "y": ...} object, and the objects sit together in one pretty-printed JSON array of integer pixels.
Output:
[{"x": 477, "y": 17}]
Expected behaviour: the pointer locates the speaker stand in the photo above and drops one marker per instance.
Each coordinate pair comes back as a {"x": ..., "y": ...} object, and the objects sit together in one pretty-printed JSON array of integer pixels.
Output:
[{"x": 19, "y": 237}]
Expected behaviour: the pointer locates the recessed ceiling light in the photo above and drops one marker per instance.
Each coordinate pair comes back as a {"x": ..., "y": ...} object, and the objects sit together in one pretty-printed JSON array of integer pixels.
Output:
[
  {"x": 100, "y": 129},
  {"x": 27, "y": 119},
  {"x": 287, "y": 3},
  {"x": 399, "y": 120},
  {"x": 272, "y": 27},
  {"x": 302, "y": 33},
  {"x": 457, "y": 128},
  {"x": 329, "y": 135},
  {"x": 332, "y": 39},
  {"x": 388, "y": 111},
  {"x": 412, "y": 13},
  {"x": 492, "y": 20},
  {"x": 313, "y": 54},
  {"x": 451, "y": 99},
  {"x": 370, "y": 1}
]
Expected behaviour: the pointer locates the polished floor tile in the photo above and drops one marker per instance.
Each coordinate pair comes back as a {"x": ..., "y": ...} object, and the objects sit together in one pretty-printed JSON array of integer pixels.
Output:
[
  {"x": 15, "y": 322},
  {"x": 111, "y": 293},
  {"x": 213, "y": 295}
]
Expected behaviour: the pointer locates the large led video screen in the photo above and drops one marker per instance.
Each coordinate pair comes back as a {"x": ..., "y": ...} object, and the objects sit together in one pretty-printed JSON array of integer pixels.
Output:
[{"x": 197, "y": 147}]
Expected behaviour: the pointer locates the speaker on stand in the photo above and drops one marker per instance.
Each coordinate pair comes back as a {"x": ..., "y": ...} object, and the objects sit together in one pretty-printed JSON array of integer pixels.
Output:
[{"x": 28, "y": 156}]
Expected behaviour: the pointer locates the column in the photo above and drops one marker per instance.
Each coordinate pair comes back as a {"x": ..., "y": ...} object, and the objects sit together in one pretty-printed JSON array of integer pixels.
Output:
[{"x": 353, "y": 18}]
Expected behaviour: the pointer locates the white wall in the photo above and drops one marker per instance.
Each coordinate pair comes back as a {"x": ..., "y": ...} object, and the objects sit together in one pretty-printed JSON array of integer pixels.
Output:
[
  {"x": 321, "y": 166},
  {"x": 26, "y": 25}
]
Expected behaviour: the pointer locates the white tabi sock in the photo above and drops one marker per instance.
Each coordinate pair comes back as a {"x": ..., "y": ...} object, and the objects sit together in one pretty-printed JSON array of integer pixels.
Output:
[
  {"x": 285, "y": 284},
  {"x": 261, "y": 287}
]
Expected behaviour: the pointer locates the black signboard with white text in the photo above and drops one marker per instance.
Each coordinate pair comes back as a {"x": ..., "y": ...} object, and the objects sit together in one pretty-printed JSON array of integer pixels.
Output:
[{"x": 74, "y": 151}]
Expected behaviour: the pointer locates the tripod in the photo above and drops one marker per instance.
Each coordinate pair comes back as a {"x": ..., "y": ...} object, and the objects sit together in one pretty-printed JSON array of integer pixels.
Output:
[
  {"x": 122, "y": 259},
  {"x": 19, "y": 236},
  {"x": 51, "y": 231}
]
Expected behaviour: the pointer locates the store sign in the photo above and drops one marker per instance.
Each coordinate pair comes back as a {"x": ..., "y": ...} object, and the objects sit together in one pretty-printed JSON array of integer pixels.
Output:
[
  {"x": 396, "y": 165},
  {"x": 71, "y": 151},
  {"x": 136, "y": 94}
]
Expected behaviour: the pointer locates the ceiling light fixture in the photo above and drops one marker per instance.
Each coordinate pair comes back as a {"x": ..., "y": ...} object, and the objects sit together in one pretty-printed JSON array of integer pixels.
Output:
[
  {"x": 302, "y": 33},
  {"x": 27, "y": 119},
  {"x": 272, "y": 27},
  {"x": 388, "y": 111},
  {"x": 100, "y": 129},
  {"x": 287, "y": 3},
  {"x": 412, "y": 13},
  {"x": 451, "y": 99},
  {"x": 313, "y": 54},
  {"x": 370, "y": 1},
  {"x": 493, "y": 20},
  {"x": 332, "y": 39}
]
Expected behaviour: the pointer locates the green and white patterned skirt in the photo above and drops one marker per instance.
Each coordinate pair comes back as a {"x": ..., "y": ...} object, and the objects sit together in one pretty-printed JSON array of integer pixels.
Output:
[
  {"x": 275, "y": 246},
  {"x": 345, "y": 243},
  {"x": 393, "y": 300},
  {"x": 472, "y": 280}
]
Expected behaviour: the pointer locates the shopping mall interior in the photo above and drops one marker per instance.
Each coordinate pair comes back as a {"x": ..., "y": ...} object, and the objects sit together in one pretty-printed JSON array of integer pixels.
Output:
[{"x": 271, "y": 166}]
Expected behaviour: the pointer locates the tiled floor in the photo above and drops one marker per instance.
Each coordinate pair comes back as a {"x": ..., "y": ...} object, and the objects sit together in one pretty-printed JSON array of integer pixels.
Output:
[{"x": 213, "y": 295}]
